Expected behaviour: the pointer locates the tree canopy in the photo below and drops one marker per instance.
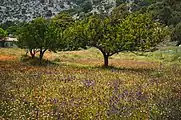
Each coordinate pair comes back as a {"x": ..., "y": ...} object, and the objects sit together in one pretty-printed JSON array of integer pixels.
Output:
[
  {"x": 135, "y": 32},
  {"x": 41, "y": 35}
]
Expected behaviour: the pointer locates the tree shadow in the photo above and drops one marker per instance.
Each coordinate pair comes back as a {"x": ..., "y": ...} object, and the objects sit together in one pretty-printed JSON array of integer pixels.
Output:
[
  {"x": 36, "y": 61},
  {"x": 126, "y": 69}
]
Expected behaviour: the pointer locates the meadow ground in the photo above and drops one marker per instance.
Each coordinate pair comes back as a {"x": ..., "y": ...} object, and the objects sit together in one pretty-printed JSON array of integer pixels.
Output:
[{"x": 137, "y": 86}]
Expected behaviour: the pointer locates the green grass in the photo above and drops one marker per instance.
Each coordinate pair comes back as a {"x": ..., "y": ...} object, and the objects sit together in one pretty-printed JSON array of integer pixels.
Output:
[{"x": 74, "y": 85}]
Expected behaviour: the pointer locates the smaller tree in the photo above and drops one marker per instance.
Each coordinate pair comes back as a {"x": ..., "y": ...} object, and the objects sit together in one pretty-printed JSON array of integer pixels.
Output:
[
  {"x": 25, "y": 41},
  {"x": 39, "y": 35}
]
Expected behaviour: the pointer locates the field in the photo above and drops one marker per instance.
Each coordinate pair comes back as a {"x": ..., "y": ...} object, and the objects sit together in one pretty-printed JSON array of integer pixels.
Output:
[{"x": 74, "y": 86}]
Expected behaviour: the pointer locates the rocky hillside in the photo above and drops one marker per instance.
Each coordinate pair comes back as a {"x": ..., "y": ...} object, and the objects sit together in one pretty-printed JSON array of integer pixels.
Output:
[{"x": 26, "y": 10}]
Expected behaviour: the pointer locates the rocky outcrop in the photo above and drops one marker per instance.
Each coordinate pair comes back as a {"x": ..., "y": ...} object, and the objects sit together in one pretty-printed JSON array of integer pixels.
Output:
[{"x": 26, "y": 10}]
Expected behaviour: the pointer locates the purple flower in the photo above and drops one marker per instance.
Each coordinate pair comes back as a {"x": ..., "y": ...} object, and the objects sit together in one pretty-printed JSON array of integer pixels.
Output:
[
  {"x": 88, "y": 83},
  {"x": 54, "y": 101},
  {"x": 139, "y": 93}
]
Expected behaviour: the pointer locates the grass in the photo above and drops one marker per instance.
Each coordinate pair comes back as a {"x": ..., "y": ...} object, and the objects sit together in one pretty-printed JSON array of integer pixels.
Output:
[{"x": 74, "y": 85}]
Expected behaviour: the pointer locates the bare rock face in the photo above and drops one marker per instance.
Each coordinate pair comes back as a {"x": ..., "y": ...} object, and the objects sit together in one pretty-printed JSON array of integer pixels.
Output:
[{"x": 26, "y": 10}]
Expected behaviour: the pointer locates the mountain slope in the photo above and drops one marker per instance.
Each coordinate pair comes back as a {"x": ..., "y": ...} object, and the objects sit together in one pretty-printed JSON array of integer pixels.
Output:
[{"x": 26, "y": 10}]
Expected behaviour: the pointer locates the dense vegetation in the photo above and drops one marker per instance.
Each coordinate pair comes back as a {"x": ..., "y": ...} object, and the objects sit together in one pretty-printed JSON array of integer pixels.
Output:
[{"x": 67, "y": 81}]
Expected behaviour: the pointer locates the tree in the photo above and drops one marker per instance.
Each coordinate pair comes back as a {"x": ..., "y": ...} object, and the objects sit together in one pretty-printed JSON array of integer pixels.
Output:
[
  {"x": 176, "y": 34},
  {"x": 25, "y": 40},
  {"x": 136, "y": 32},
  {"x": 147, "y": 33},
  {"x": 63, "y": 20},
  {"x": 41, "y": 35},
  {"x": 3, "y": 34},
  {"x": 11, "y": 26}
]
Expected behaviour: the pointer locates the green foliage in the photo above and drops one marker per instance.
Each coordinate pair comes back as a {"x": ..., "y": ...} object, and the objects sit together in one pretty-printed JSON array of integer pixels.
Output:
[
  {"x": 167, "y": 11},
  {"x": 63, "y": 20},
  {"x": 119, "y": 13},
  {"x": 39, "y": 34},
  {"x": 12, "y": 30},
  {"x": 11, "y": 27},
  {"x": 42, "y": 35},
  {"x": 176, "y": 34},
  {"x": 3, "y": 33},
  {"x": 120, "y": 33},
  {"x": 73, "y": 42},
  {"x": 7, "y": 24},
  {"x": 145, "y": 32},
  {"x": 165, "y": 14}
]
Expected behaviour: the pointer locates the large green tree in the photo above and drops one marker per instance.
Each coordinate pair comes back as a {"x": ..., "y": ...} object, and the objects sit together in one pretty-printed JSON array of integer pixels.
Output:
[{"x": 135, "y": 32}]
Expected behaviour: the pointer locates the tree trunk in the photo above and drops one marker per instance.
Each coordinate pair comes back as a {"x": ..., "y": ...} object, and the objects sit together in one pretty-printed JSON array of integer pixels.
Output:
[
  {"x": 105, "y": 60},
  {"x": 41, "y": 55},
  {"x": 105, "y": 55},
  {"x": 32, "y": 53}
]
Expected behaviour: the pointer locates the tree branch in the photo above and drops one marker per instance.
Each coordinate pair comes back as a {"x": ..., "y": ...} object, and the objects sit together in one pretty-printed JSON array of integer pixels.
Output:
[{"x": 98, "y": 47}]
